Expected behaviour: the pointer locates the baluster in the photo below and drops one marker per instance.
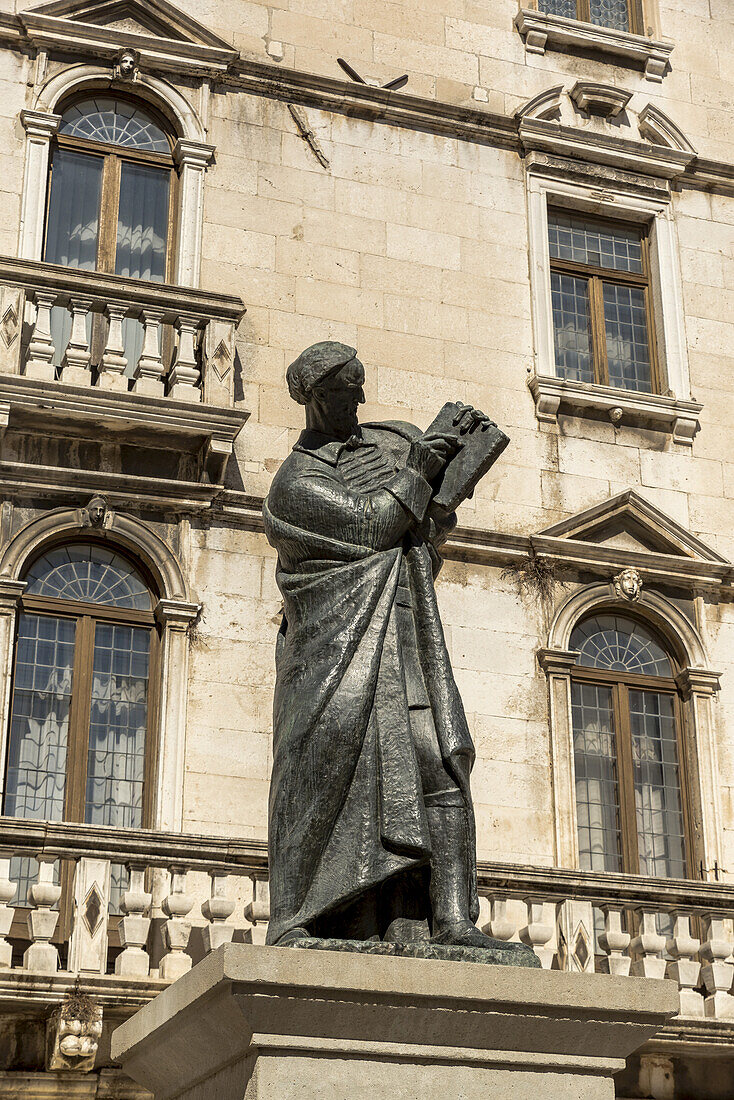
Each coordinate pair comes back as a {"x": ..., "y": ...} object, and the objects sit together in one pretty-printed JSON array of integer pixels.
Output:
[
  {"x": 717, "y": 971},
  {"x": 7, "y": 912},
  {"x": 42, "y": 954},
  {"x": 177, "y": 929},
  {"x": 258, "y": 910},
  {"x": 133, "y": 961},
  {"x": 647, "y": 946},
  {"x": 113, "y": 365},
  {"x": 685, "y": 969},
  {"x": 41, "y": 348},
  {"x": 217, "y": 908},
  {"x": 500, "y": 925},
  {"x": 614, "y": 942},
  {"x": 88, "y": 942},
  {"x": 575, "y": 936},
  {"x": 538, "y": 931},
  {"x": 184, "y": 375},
  {"x": 149, "y": 371},
  {"x": 75, "y": 364}
]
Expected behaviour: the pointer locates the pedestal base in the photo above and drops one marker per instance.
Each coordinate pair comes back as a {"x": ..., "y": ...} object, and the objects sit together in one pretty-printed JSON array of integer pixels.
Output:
[{"x": 259, "y": 1023}]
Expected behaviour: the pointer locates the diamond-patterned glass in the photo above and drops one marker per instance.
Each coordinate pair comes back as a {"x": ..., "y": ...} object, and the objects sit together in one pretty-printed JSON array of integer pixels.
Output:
[
  {"x": 90, "y": 573},
  {"x": 571, "y": 327},
  {"x": 595, "y": 759},
  {"x": 628, "y": 347},
  {"x": 564, "y": 8},
  {"x": 660, "y": 833},
  {"x": 611, "y": 13},
  {"x": 619, "y": 644},
  {"x": 573, "y": 238},
  {"x": 115, "y": 122},
  {"x": 117, "y": 726}
]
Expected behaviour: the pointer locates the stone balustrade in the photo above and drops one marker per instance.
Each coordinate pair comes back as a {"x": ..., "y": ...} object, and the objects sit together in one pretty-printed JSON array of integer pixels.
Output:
[
  {"x": 186, "y": 895},
  {"x": 184, "y": 345}
]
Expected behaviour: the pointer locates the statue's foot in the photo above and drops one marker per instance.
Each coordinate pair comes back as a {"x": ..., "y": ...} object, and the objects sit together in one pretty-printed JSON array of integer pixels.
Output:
[
  {"x": 462, "y": 934},
  {"x": 291, "y": 936}
]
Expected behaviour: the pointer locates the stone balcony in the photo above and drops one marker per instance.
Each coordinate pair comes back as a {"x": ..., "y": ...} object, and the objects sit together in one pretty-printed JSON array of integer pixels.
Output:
[
  {"x": 184, "y": 895},
  {"x": 176, "y": 403}
]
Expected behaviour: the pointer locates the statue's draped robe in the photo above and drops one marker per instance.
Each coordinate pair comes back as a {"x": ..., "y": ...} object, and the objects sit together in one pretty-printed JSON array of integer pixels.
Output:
[{"x": 346, "y": 800}]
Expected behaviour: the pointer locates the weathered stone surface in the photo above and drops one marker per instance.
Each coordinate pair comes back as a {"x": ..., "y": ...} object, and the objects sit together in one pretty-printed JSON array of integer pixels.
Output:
[{"x": 497, "y": 954}]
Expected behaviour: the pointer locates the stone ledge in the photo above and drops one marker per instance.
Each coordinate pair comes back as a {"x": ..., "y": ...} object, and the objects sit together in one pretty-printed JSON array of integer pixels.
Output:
[
  {"x": 540, "y": 32},
  {"x": 281, "y": 1022},
  {"x": 556, "y": 395}
]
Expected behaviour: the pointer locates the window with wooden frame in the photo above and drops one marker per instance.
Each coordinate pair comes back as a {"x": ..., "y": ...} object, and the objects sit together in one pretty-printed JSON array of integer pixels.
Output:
[
  {"x": 618, "y": 15},
  {"x": 111, "y": 198},
  {"x": 81, "y": 745},
  {"x": 601, "y": 302},
  {"x": 626, "y": 717}
]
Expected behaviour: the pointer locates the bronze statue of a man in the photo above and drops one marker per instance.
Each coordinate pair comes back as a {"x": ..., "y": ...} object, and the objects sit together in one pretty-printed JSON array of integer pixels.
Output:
[{"x": 371, "y": 820}]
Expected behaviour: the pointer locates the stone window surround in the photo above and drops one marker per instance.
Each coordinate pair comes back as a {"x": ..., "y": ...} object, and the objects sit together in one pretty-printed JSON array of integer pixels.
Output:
[
  {"x": 540, "y": 31},
  {"x": 675, "y": 410},
  {"x": 697, "y": 685},
  {"x": 175, "y": 612},
  {"x": 191, "y": 154}
]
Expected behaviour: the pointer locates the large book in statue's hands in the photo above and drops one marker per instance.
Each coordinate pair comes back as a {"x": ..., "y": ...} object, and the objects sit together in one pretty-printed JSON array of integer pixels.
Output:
[{"x": 483, "y": 443}]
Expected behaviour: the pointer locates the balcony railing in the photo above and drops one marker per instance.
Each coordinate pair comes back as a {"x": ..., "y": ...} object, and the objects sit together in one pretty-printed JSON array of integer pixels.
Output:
[
  {"x": 184, "y": 350},
  {"x": 186, "y": 895}
]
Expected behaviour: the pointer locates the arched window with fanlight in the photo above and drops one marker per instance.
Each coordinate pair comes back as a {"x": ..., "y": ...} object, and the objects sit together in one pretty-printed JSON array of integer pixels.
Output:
[
  {"x": 110, "y": 202},
  {"x": 80, "y": 744},
  {"x": 628, "y": 759}
]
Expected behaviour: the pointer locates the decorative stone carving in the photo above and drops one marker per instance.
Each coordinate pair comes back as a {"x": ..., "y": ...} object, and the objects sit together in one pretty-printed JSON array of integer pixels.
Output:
[
  {"x": 628, "y": 585},
  {"x": 96, "y": 514},
  {"x": 600, "y": 99},
  {"x": 126, "y": 65},
  {"x": 73, "y": 1033}
]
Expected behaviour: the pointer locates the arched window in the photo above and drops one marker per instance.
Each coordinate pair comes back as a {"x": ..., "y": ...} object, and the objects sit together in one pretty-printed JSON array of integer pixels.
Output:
[
  {"x": 627, "y": 754},
  {"x": 110, "y": 199},
  {"x": 80, "y": 745}
]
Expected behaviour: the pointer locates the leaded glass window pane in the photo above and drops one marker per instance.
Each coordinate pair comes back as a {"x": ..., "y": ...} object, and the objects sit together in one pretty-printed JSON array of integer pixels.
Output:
[
  {"x": 39, "y": 727},
  {"x": 628, "y": 348},
  {"x": 571, "y": 327},
  {"x": 618, "y": 644},
  {"x": 142, "y": 225},
  {"x": 611, "y": 13},
  {"x": 565, "y": 8},
  {"x": 572, "y": 238},
  {"x": 73, "y": 210},
  {"x": 116, "y": 122},
  {"x": 89, "y": 573},
  {"x": 658, "y": 804},
  {"x": 117, "y": 726},
  {"x": 39, "y": 730},
  {"x": 597, "y": 796}
]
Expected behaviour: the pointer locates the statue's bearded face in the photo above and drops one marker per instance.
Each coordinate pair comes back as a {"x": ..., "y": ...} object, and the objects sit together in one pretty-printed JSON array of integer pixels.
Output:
[{"x": 339, "y": 396}]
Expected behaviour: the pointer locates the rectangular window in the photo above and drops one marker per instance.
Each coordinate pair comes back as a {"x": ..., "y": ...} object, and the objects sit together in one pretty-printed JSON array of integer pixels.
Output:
[
  {"x": 600, "y": 291},
  {"x": 618, "y": 15}
]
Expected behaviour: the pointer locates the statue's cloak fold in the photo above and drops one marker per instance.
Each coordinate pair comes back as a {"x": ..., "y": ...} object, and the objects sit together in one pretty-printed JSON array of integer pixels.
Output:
[{"x": 346, "y": 804}]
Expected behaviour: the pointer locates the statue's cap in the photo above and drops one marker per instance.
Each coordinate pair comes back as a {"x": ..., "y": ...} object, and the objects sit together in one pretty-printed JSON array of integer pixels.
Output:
[{"x": 314, "y": 365}]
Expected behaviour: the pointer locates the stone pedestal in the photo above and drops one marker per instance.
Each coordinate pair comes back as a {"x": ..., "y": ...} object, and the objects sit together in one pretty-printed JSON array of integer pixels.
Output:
[{"x": 260, "y": 1023}]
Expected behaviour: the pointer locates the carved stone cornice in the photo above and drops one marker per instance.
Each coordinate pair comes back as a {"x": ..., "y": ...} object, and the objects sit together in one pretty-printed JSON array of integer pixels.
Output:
[
  {"x": 698, "y": 681},
  {"x": 179, "y": 614},
  {"x": 557, "y": 662},
  {"x": 541, "y": 31},
  {"x": 548, "y": 136},
  {"x": 556, "y": 395}
]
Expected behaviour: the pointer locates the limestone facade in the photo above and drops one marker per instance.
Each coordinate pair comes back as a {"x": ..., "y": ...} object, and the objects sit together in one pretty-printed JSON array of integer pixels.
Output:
[{"x": 411, "y": 224}]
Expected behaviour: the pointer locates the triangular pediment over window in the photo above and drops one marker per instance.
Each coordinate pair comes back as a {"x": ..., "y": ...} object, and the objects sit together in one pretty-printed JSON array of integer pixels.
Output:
[
  {"x": 161, "y": 33},
  {"x": 629, "y": 522}
]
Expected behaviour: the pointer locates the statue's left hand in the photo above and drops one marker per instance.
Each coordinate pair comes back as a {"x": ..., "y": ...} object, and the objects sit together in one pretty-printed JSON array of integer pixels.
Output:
[{"x": 468, "y": 418}]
